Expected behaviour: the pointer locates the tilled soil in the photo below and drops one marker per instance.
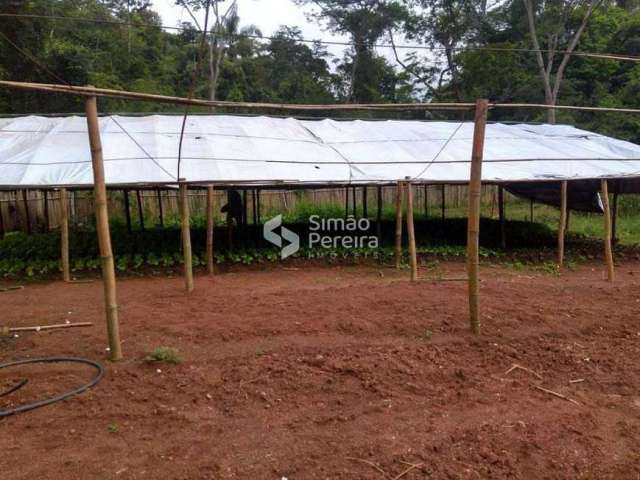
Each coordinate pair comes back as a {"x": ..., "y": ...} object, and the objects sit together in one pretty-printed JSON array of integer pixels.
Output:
[{"x": 331, "y": 373}]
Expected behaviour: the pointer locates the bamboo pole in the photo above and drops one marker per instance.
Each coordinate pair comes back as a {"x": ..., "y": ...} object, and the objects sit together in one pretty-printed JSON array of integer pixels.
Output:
[
  {"x": 102, "y": 226},
  {"x": 473, "y": 228},
  {"x": 426, "y": 201},
  {"x": 503, "y": 233},
  {"x": 104, "y": 92},
  {"x": 160, "y": 207},
  {"x": 1, "y": 222},
  {"x": 365, "y": 203},
  {"x": 614, "y": 217},
  {"x": 64, "y": 235},
  {"x": 27, "y": 216},
  {"x": 186, "y": 236},
  {"x": 45, "y": 199},
  {"x": 411, "y": 235},
  {"x": 379, "y": 216},
  {"x": 398, "y": 244},
  {"x": 210, "y": 229},
  {"x": 140, "y": 210},
  {"x": 443, "y": 202},
  {"x": 608, "y": 252},
  {"x": 563, "y": 222},
  {"x": 127, "y": 210}
]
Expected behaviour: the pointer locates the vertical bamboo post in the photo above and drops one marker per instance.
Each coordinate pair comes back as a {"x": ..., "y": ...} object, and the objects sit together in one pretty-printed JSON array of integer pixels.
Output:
[
  {"x": 102, "y": 226},
  {"x": 160, "y": 208},
  {"x": 346, "y": 202},
  {"x": 531, "y": 211},
  {"x": 563, "y": 222},
  {"x": 27, "y": 215},
  {"x": 503, "y": 233},
  {"x": 398, "y": 244},
  {"x": 47, "y": 223},
  {"x": 64, "y": 235},
  {"x": 614, "y": 217},
  {"x": 365, "y": 203},
  {"x": 127, "y": 210},
  {"x": 140, "y": 210},
  {"x": 426, "y": 201},
  {"x": 473, "y": 227},
  {"x": 210, "y": 229},
  {"x": 411, "y": 235},
  {"x": 186, "y": 236},
  {"x": 354, "y": 193},
  {"x": 258, "y": 207},
  {"x": 1, "y": 222},
  {"x": 379, "y": 217},
  {"x": 443, "y": 199},
  {"x": 608, "y": 252}
]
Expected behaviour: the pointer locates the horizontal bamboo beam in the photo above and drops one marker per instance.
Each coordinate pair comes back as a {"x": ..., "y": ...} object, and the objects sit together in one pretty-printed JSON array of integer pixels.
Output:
[{"x": 106, "y": 92}]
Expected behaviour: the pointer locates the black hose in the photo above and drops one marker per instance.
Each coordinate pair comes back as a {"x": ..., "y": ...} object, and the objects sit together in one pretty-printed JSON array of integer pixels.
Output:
[
  {"x": 17, "y": 386},
  {"x": 57, "y": 398}
]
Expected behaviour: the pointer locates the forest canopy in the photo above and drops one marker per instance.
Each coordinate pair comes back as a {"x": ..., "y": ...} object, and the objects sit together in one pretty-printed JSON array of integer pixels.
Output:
[{"x": 506, "y": 50}]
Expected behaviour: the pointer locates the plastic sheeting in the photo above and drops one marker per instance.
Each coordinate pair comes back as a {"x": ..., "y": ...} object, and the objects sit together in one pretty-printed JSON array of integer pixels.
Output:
[{"x": 44, "y": 151}]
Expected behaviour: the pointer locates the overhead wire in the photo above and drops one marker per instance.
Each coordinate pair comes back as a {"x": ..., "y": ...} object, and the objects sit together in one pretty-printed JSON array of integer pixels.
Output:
[{"x": 578, "y": 53}]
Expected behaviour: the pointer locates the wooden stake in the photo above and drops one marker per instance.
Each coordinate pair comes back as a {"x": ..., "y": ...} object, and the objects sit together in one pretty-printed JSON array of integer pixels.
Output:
[
  {"x": 210, "y": 229},
  {"x": 426, "y": 201},
  {"x": 563, "y": 221},
  {"x": 608, "y": 252},
  {"x": 365, "y": 206},
  {"x": 503, "y": 234},
  {"x": 47, "y": 224},
  {"x": 379, "y": 217},
  {"x": 443, "y": 202},
  {"x": 64, "y": 235},
  {"x": 411, "y": 235},
  {"x": 160, "y": 208},
  {"x": 186, "y": 236},
  {"x": 140, "y": 210},
  {"x": 614, "y": 217},
  {"x": 27, "y": 217},
  {"x": 102, "y": 226},
  {"x": 127, "y": 210},
  {"x": 1, "y": 222},
  {"x": 473, "y": 227},
  {"x": 398, "y": 244}
]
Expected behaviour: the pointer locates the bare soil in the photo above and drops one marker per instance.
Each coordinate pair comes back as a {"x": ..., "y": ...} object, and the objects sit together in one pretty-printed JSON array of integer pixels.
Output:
[{"x": 337, "y": 372}]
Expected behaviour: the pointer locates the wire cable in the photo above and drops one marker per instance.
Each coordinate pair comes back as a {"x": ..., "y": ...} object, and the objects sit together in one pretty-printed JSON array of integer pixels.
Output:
[{"x": 599, "y": 55}]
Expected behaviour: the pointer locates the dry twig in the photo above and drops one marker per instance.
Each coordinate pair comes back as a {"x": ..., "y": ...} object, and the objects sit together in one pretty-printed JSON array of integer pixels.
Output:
[
  {"x": 556, "y": 394},
  {"x": 371, "y": 464},
  {"x": 520, "y": 367}
]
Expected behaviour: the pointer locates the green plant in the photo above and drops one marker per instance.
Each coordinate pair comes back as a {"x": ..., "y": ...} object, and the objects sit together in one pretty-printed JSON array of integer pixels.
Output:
[{"x": 163, "y": 354}]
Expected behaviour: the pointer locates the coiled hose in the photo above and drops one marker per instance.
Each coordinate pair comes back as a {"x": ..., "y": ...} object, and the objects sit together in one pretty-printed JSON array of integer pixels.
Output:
[{"x": 48, "y": 401}]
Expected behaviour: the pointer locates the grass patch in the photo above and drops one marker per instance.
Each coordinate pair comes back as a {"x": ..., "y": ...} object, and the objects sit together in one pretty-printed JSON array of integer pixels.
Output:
[{"x": 163, "y": 355}]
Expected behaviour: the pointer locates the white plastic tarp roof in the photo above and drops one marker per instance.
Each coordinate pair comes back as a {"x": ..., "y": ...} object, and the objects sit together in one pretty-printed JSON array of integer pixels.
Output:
[{"x": 45, "y": 151}]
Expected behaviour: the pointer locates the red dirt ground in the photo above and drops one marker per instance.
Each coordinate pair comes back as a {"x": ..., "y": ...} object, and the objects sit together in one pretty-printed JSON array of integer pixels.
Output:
[{"x": 331, "y": 373}]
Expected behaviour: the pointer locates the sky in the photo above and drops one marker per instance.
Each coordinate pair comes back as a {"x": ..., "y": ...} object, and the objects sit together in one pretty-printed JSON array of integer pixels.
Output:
[{"x": 267, "y": 15}]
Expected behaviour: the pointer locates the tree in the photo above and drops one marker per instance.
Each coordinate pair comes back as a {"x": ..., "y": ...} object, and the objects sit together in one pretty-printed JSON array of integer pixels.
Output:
[
  {"x": 554, "y": 21},
  {"x": 365, "y": 21}
]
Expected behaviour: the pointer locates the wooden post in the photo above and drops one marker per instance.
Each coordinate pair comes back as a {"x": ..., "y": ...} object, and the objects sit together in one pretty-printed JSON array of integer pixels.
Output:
[
  {"x": 398, "y": 244},
  {"x": 411, "y": 235},
  {"x": 64, "y": 235},
  {"x": 608, "y": 252},
  {"x": 346, "y": 202},
  {"x": 563, "y": 222},
  {"x": 614, "y": 217},
  {"x": 355, "y": 213},
  {"x": 379, "y": 217},
  {"x": 503, "y": 234},
  {"x": 444, "y": 202},
  {"x": 27, "y": 217},
  {"x": 473, "y": 227},
  {"x": 160, "y": 208},
  {"x": 258, "y": 207},
  {"x": 1, "y": 222},
  {"x": 186, "y": 236},
  {"x": 365, "y": 206},
  {"x": 47, "y": 223},
  {"x": 531, "y": 211},
  {"x": 210, "y": 229},
  {"x": 127, "y": 210},
  {"x": 426, "y": 201},
  {"x": 140, "y": 210},
  {"x": 102, "y": 227}
]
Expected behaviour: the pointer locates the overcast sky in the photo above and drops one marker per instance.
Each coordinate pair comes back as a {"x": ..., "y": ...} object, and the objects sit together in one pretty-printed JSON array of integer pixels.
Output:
[{"x": 267, "y": 15}]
